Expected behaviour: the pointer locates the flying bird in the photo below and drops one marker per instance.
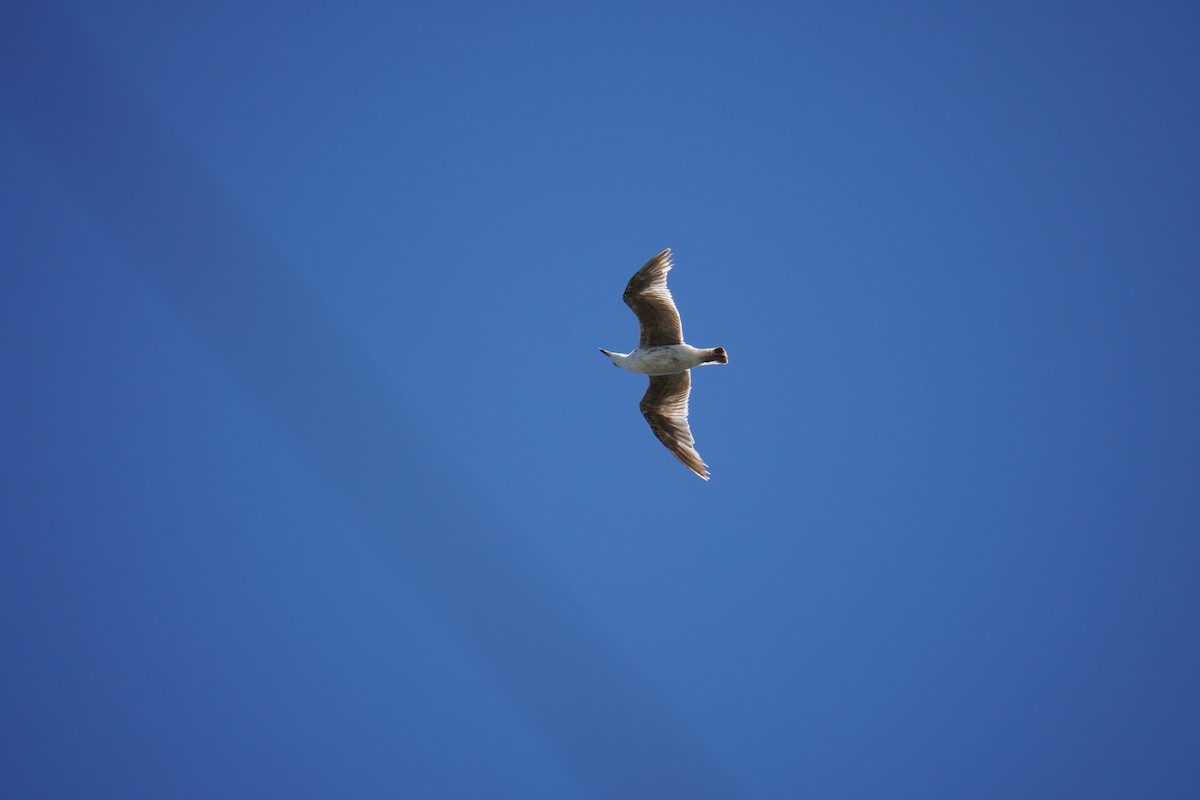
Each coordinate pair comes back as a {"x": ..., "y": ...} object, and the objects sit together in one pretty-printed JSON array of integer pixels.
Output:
[{"x": 662, "y": 354}]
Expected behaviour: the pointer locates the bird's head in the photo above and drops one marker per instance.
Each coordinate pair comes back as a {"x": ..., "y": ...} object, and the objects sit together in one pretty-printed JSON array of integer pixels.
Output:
[{"x": 612, "y": 356}]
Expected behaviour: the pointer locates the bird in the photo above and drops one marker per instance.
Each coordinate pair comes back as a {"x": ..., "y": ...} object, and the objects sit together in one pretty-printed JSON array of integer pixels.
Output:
[{"x": 664, "y": 356}]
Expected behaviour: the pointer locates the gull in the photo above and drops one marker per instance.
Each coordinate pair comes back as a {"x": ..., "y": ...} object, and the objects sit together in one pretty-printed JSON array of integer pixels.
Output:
[{"x": 662, "y": 354}]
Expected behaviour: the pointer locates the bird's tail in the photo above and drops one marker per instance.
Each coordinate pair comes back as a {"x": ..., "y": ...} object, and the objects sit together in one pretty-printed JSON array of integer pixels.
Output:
[{"x": 716, "y": 356}]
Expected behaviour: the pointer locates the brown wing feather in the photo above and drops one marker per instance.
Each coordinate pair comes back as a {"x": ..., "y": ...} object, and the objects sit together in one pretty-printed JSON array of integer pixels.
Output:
[
  {"x": 665, "y": 407},
  {"x": 650, "y": 300}
]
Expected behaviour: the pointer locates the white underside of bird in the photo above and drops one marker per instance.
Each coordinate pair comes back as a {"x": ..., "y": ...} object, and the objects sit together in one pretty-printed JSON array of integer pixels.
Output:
[{"x": 665, "y": 359}]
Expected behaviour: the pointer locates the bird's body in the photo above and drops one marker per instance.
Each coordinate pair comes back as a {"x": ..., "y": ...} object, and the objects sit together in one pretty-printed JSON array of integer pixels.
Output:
[
  {"x": 662, "y": 354},
  {"x": 663, "y": 359}
]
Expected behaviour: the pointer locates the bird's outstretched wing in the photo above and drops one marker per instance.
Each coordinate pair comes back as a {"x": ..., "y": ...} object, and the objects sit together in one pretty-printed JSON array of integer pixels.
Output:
[
  {"x": 650, "y": 300},
  {"x": 665, "y": 407}
]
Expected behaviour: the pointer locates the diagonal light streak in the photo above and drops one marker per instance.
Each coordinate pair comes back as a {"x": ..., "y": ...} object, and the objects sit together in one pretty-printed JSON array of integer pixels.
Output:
[{"x": 234, "y": 291}]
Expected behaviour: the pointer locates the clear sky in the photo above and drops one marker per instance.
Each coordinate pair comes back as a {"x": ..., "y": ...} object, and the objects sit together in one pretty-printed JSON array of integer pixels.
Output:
[{"x": 314, "y": 484}]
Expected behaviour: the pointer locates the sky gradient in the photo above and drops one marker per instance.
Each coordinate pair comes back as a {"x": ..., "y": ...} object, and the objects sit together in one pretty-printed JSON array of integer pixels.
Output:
[{"x": 316, "y": 486}]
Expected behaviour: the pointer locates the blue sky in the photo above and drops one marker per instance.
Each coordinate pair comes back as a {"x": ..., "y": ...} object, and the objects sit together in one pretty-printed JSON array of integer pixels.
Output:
[{"x": 316, "y": 486}]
